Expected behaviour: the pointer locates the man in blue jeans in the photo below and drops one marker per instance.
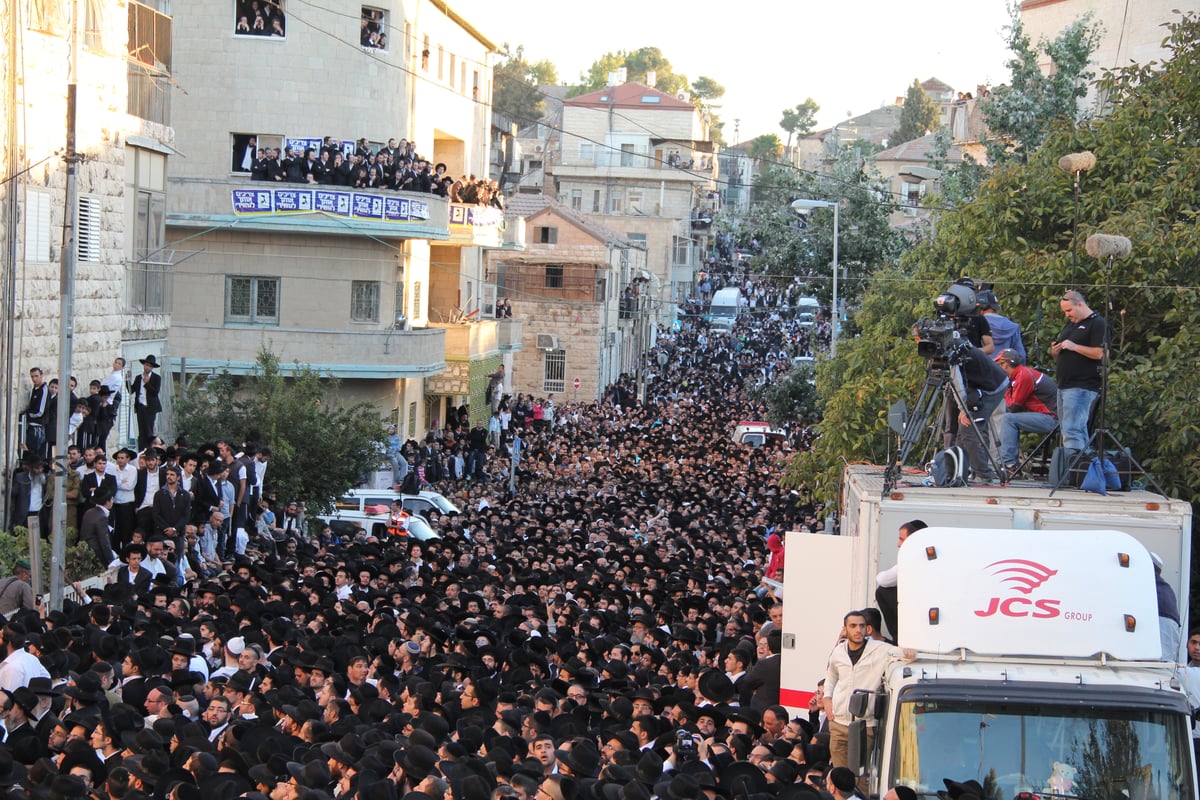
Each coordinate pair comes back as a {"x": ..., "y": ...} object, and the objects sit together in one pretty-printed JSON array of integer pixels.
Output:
[
  {"x": 1029, "y": 403},
  {"x": 1079, "y": 350}
]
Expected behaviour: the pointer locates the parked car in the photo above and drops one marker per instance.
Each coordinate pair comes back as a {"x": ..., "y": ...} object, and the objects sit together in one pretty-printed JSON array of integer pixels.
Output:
[
  {"x": 375, "y": 520},
  {"x": 421, "y": 503}
]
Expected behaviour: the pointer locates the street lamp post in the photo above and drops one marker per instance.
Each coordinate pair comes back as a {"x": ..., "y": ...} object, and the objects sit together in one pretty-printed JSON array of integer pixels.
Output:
[{"x": 800, "y": 206}]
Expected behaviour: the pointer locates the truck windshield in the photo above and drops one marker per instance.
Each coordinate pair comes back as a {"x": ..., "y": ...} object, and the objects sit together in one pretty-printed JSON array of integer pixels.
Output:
[{"x": 1014, "y": 750}]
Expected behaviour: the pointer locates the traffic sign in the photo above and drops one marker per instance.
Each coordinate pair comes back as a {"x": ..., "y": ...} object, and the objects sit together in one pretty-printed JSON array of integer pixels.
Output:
[{"x": 576, "y": 383}]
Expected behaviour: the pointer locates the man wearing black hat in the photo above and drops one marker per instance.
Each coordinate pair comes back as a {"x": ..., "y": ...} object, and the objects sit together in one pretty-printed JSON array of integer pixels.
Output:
[
  {"x": 18, "y": 710},
  {"x": 146, "y": 405}
]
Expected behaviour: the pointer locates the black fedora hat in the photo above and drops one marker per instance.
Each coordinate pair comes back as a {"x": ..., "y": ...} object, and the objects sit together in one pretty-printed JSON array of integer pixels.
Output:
[{"x": 151, "y": 360}]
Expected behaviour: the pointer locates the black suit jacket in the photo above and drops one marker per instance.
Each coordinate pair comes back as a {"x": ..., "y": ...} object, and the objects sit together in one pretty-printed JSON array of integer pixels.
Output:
[
  {"x": 153, "y": 384},
  {"x": 140, "y": 583},
  {"x": 89, "y": 484},
  {"x": 171, "y": 512},
  {"x": 204, "y": 497},
  {"x": 139, "y": 486}
]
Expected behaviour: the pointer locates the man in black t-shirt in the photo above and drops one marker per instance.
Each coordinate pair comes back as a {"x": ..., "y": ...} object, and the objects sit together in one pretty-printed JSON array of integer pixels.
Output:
[{"x": 1079, "y": 350}]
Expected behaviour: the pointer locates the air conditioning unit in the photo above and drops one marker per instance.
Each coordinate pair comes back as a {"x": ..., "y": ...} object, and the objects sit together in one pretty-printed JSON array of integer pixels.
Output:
[{"x": 547, "y": 341}]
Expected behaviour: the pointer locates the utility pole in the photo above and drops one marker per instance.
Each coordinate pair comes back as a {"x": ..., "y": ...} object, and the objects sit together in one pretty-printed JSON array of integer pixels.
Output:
[{"x": 66, "y": 336}]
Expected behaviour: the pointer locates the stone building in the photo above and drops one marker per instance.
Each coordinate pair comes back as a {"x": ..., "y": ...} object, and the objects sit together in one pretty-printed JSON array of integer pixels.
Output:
[
  {"x": 585, "y": 295},
  {"x": 641, "y": 162},
  {"x": 121, "y": 51},
  {"x": 382, "y": 289}
]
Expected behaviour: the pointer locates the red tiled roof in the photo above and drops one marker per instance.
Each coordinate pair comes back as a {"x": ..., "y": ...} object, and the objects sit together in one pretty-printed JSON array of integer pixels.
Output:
[{"x": 629, "y": 95}]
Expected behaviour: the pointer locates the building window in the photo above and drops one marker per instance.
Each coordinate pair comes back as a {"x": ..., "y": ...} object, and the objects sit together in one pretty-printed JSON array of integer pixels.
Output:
[
  {"x": 49, "y": 16},
  {"x": 545, "y": 234},
  {"x": 614, "y": 204},
  {"x": 627, "y": 155},
  {"x": 373, "y": 32},
  {"x": 95, "y": 26},
  {"x": 425, "y": 53},
  {"x": 554, "y": 371},
  {"x": 601, "y": 295},
  {"x": 252, "y": 300},
  {"x": 37, "y": 226},
  {"x": 87, "y": 232},
  {"x": 554, "y": 276},
  {"x": 245, "y": 147},
  {"x": 587, "y": 152},
  {"x": 145, "y": 188},
  {"x": 595, "y": 201},
  {"x": 364, "y": 301},
  {"x": 681, "y": 247},
  {"x": 263, "y": 18},
  {"x": 441, "y": 63},
  {"x": 637, "y": 238},
  {"x": 412, "y": 420},
  {"x": 910, "y": 197},
  {"x": 148, "y": 69},
  {"x": 577, "y": 199}
]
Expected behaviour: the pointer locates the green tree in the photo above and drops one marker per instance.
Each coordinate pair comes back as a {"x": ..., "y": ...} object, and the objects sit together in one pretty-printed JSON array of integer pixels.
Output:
[
  {"x": 1018, "y": 113},
  {"x": 705, "y": 90},
  {"x": 765, "y": 147},
  {"x": 803, "y": 246},
  {"x": 637, "y": 63},
  {"x": 320, "y": 447},
  {"x": 1017, "y": 233},
  {"x": 515, "y": 93},
  {"x": 799, "y": 121},
  {"x": 959, "y": 182},
  {"x": 793, "y": 399},
  {"x": 918, "y": 117}
]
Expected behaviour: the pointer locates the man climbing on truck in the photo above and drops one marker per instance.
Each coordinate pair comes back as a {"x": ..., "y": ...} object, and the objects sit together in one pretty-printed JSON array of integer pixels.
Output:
[{"x": 855, "y": 663}]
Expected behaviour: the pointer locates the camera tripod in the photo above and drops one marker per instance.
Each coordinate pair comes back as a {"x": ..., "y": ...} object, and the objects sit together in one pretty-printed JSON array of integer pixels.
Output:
[{"x": 941, "y": 395}]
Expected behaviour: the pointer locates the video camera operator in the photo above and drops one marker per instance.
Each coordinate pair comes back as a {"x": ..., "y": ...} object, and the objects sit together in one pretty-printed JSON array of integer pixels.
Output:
[{"x": 985, "y": 384}]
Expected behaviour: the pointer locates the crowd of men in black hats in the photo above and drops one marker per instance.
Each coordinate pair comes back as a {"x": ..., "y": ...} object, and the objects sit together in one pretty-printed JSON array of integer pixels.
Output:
[{"x": 604, "y": 634}]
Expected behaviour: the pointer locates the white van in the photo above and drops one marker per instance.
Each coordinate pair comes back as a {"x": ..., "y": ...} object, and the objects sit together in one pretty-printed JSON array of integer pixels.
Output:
[{"x": 725, "y": 306}]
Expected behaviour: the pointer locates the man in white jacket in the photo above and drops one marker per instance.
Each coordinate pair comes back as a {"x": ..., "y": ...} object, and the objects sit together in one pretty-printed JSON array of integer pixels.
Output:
[{"x": 855, "y": 663}]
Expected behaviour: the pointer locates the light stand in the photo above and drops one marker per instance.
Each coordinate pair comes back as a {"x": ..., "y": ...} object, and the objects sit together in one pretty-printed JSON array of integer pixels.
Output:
[
  {"x": 1109, "y": 248},
  {"x": 1074, "y": 164}
]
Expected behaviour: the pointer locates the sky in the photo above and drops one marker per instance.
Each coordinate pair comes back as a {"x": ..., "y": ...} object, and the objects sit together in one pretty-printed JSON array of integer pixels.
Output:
[{"x": 851, "y": 56}]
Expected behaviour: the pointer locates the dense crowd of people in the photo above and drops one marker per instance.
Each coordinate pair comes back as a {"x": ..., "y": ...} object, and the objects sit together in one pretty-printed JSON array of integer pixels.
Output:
[
  {"x": 396, "y": 166},
  {"x": 603, "y": 633}
]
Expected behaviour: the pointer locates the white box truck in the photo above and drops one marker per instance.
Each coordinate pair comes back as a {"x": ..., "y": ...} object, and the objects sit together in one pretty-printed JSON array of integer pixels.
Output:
[{"x": 1035, "y": 621}]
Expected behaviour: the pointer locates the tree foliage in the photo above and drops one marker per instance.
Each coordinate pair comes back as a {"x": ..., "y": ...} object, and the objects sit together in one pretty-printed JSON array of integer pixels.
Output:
[
  {"x": 705, "y": 90},
  {"x": 637, "y": 63},
  {"x": 515, "y": 92},
  {"x": 917, "y": 117},
  {"x": 1019, "y": 113},
  {"x": 765, "y": 147},
  {"x": 796, "y": 245},
  {"x": 320, "y": 447},
  {"x": 793, "y": 398},
  {"x": 1017, "y": 233},
  {"x": 799, "y": 120}
]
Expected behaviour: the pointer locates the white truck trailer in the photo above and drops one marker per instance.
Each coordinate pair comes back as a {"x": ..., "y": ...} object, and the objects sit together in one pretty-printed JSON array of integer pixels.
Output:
[{"x": 1015, "y": 665}]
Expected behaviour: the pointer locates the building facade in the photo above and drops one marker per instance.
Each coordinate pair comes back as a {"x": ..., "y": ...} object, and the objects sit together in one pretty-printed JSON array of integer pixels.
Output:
[
  {"x": 119, "y": 55},
  {"x": 359, "y": 283},
  {"x": 642, "y": 163},
  {"x": 585, "y": 295}
]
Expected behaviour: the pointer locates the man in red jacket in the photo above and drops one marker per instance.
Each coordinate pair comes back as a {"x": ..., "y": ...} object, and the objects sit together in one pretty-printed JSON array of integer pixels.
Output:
[{"x": 1030, "y": 400}]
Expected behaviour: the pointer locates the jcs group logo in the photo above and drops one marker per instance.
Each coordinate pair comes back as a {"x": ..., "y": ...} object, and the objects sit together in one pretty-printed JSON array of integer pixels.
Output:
[{"x": 1022, "y": 577}]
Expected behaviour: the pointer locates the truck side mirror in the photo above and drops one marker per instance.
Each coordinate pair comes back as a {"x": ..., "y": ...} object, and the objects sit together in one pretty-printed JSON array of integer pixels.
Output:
[
  {"x": 858, "y": 754},
  {"x": 861, "y": 706}
]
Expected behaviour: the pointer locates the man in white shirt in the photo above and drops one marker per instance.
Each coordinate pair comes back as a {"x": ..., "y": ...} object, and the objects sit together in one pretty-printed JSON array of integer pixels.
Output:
[
  {"x": 885, "y": 594},
  {"x": 19, "y": 665},
  {"x": 124, "y": 514}
]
